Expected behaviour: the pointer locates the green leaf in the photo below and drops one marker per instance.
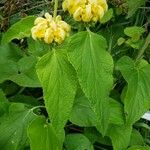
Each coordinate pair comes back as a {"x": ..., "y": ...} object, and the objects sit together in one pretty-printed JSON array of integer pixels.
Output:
[
  {"x": 120, "y": 136},
  {"x": 134, "y": 6},
  {"x": 19, "y": 30},
  {"x": 37, "y": 47},
  {"x": 142, "y": 125},
  {"x": 10, "y": 52},
  {"x": 83, "y": 115},
  {"x": 108, "y": 15},
  {"x": 136, "y": 45},
  {"x": 7, "y": 70},
  {"x": 139, "y": 148},
  {"x": 20, "y": 98},
  {"x": 3, "y": 103},
  {"x": 58, "y": 80},
  {"x": 120, "y": 41},
  {"x": 13, "y": 125},
  {"x": 26, "y": 74},
  {"x": 136, "y": 99},
  {"x": 134, "y": 32},
  {"x": 42, "y": 135},
  {"x": 116, "y": 112},
  {"x": 136, "y": 138},
  {"x": 94, "y": 136},
  {"x": 94, "y": 67},
  {"x": 22, "y": 72},
  {"x": 77, "y": 142}
]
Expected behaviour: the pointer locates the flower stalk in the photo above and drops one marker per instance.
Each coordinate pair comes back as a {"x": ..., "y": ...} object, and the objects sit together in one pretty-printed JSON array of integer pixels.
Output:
[{"x": 55, "y": 9}]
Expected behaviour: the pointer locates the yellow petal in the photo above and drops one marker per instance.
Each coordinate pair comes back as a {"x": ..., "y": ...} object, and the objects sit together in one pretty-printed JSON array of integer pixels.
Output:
[
  {"x": 58, "y": 18},
  {"x": 100, "y": 11},
  {"x": 65, "y": 5},
  {"x": 87, "y": 14},
  {"x": 48, "y": 38},
  {"x": 48, "y": 17},
  {"x": 38, "y": 31},
  {"x": 92, "y": 1},
  {"x": 73, "y": 5},
  {"x": 40, "y": 20},
  {"x": 103, "y": 3},
  {"x": 77, "y": 14},
  {"x": 53, "y": 25},
  {"x": 64, "y": 26},
  {"x": 59, "y": 35}
]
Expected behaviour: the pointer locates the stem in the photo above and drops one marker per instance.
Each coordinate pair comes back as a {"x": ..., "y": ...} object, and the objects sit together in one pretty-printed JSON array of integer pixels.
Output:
[
  {"x": 55, "y": 9},
  {"x": 88, "y": 29},
  {"x": 141, "y": 52}
]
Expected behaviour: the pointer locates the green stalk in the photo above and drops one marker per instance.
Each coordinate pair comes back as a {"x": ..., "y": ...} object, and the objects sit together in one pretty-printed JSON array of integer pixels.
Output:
[
  {"x": 141, "y": 52},
  {"x": 55, "y": 9}
]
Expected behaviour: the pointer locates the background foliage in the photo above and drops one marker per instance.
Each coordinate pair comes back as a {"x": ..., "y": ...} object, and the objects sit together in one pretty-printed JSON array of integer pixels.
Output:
[{"x": 88, "y": 93}]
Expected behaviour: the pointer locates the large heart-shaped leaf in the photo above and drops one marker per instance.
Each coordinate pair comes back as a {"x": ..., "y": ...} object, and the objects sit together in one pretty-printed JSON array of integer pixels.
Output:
[
  {"x": 58, "y": 80},
  {"x": 137, "y": 96},
  {"x": 94, "y": 67}
]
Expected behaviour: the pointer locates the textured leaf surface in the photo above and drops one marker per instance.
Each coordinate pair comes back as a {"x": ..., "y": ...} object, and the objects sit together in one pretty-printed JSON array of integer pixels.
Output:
[
  {"x": 77, "y": 142},
  {"x": 137, "y": 96},
  {"x": 13, "y": 126},
  {"x": 42, "y": 135},
  {"x": 19, "y": 30},
  {"x": 83, "y": 115},
  {"x": 59, "y": 83},
  {"x": 94, "y": 66},
  {"x": 120, "y": 136},
  {"x": 116, "y": 113}
]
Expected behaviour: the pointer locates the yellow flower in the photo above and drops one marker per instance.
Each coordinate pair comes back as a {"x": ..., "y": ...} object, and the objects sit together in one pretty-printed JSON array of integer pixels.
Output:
[
  {"x": 50, "y": 29},
  {"x": 86, "y": 10}
]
